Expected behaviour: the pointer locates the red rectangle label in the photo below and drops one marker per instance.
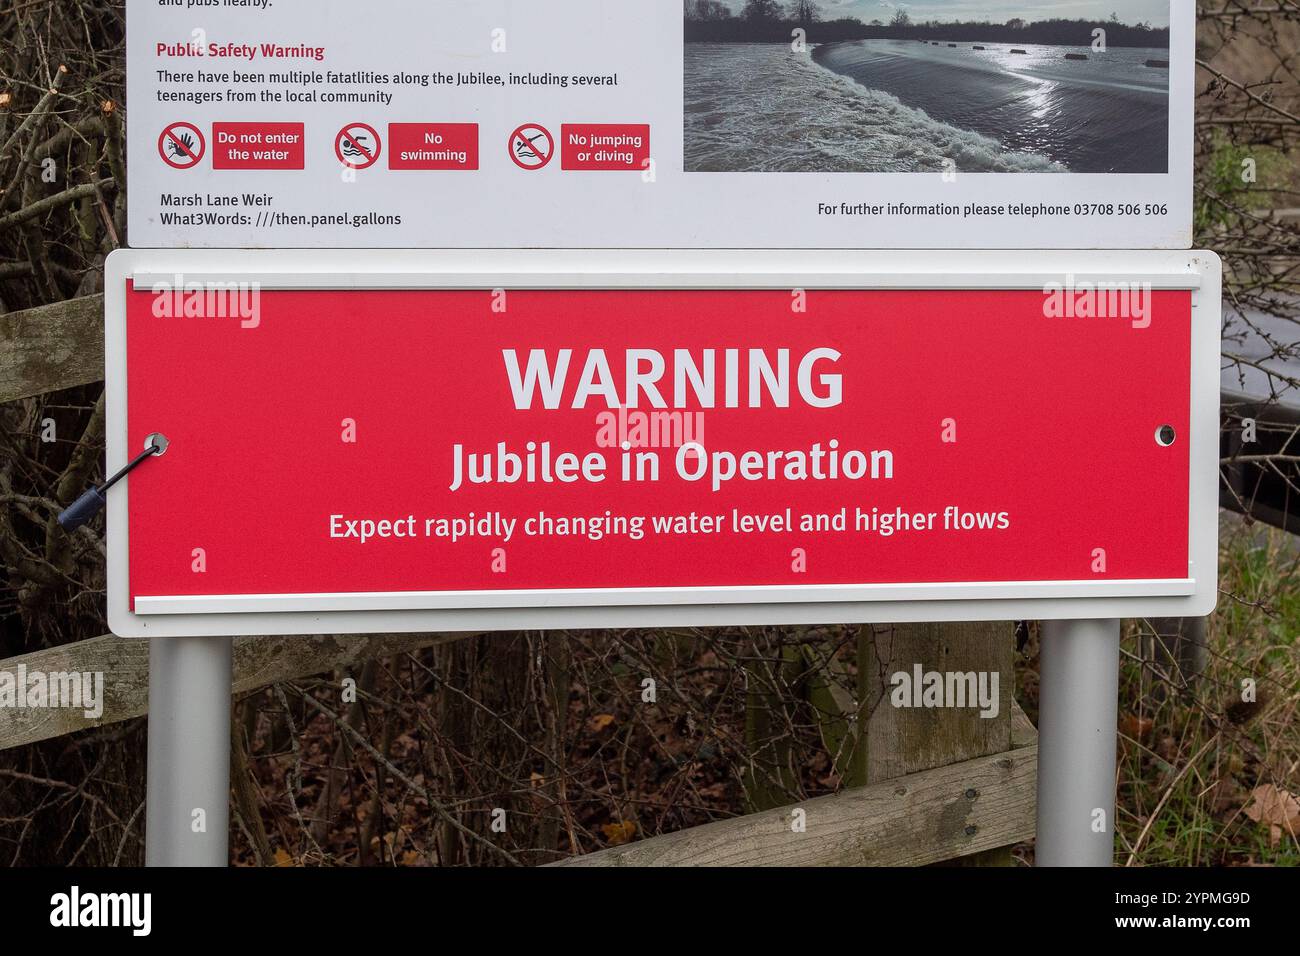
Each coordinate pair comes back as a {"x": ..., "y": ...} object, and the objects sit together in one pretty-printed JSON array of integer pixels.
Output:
[
  {"x": 433, "y": 441},
  {"x": 604, "y": 146},
  {"x": 258, "y": 146},
  {"x": 433, "y": 146}
]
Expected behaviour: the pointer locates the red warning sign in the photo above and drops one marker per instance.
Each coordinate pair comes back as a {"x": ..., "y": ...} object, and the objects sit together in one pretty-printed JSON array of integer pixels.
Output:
[
  {"x": 181, "y": 145},
  {"x": 597, "y": 146},
  {"x": 358, "y": 145},
  {"x": 679, "y": 454},
  {"x": 433, "y": 146},
  {"x": 258, "y": 146},
  {"x": 531, "y": 146}
]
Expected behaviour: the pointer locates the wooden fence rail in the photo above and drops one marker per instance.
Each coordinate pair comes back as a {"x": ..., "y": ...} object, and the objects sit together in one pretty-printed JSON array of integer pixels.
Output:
[
  {"x": 124, "y": 662},
  {"x": 928, "y": 817},
  {"x": 51, "y": 347},
  {"x": 948, "y": 813}
]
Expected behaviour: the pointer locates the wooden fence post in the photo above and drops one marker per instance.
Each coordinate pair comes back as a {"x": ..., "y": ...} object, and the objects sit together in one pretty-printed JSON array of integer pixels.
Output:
[{"x": 907, "y": 740}]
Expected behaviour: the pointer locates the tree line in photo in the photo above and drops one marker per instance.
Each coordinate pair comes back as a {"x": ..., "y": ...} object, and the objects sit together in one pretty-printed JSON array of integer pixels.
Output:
[{"x": 769, "y": 21}]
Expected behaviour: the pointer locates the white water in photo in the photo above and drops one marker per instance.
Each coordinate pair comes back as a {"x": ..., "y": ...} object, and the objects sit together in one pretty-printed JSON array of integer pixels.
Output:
[
  {"x": 1090, "y": 111},
  {"x": 764, "y": 108}
]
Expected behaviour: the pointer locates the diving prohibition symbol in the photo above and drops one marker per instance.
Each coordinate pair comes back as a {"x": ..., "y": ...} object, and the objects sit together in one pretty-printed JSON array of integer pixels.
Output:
[{"x": 531, "y": 146}]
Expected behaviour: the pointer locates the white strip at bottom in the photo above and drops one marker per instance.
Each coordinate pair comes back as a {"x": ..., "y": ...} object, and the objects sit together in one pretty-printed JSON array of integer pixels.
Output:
[{"x": 613, "y": 597}]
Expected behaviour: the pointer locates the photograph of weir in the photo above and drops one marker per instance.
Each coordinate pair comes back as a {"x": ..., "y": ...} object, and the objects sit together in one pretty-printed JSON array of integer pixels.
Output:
[{"x": 1056, "y": 86}]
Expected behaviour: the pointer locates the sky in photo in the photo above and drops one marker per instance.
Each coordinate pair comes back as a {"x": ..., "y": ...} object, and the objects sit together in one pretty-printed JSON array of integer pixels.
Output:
[{"x": 1155, "y": 12}]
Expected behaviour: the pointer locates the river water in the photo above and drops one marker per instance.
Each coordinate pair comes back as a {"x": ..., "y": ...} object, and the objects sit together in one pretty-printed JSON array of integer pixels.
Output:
[{"x": 906, "y": 106}]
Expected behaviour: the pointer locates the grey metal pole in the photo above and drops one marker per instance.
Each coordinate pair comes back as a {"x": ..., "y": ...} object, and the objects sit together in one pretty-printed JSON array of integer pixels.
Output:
[
  {"x": 187, "y": 808},
  {"x": 1077, "y": 711}
]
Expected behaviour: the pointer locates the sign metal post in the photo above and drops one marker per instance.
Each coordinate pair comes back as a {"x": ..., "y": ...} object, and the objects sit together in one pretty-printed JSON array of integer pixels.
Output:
[
  {"x": 187, "y": 804},
  {"x": 1078, "y": 707}
]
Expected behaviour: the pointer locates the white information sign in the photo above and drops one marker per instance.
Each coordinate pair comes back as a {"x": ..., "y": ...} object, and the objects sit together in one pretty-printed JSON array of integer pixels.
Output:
[{"x": 588, "y": 123}]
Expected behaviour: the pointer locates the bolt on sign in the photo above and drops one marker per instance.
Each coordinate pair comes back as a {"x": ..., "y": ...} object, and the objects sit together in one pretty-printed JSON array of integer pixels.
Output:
[
  {"x": 387, "y": 441},
  {"x": 391, "y": 124}
]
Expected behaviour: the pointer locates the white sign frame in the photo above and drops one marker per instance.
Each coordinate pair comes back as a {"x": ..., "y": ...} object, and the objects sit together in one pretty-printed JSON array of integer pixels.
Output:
[{"x": 1194, "y": 596}]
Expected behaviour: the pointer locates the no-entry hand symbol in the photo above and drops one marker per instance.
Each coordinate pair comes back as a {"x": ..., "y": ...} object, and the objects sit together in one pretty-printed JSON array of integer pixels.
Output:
[
  {"x": 181, "y": 145},
  {"x": 531, "y": 146},
  {"x": 358, "y": 146}
]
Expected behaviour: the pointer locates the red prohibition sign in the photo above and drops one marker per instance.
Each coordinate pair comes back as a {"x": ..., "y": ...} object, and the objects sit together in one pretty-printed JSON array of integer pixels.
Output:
[
  {"x": 181, "y": 145},
  {"x": 357, "y": 145},
  {"x": 525, "y": 148}
]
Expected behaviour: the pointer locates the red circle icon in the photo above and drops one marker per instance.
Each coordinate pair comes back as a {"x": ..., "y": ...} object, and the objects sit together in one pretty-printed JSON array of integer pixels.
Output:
[
  {"x": 358, "y": 145},
  {"x": 181, "y": 145},
  {"x": 531, "y": 146}
]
